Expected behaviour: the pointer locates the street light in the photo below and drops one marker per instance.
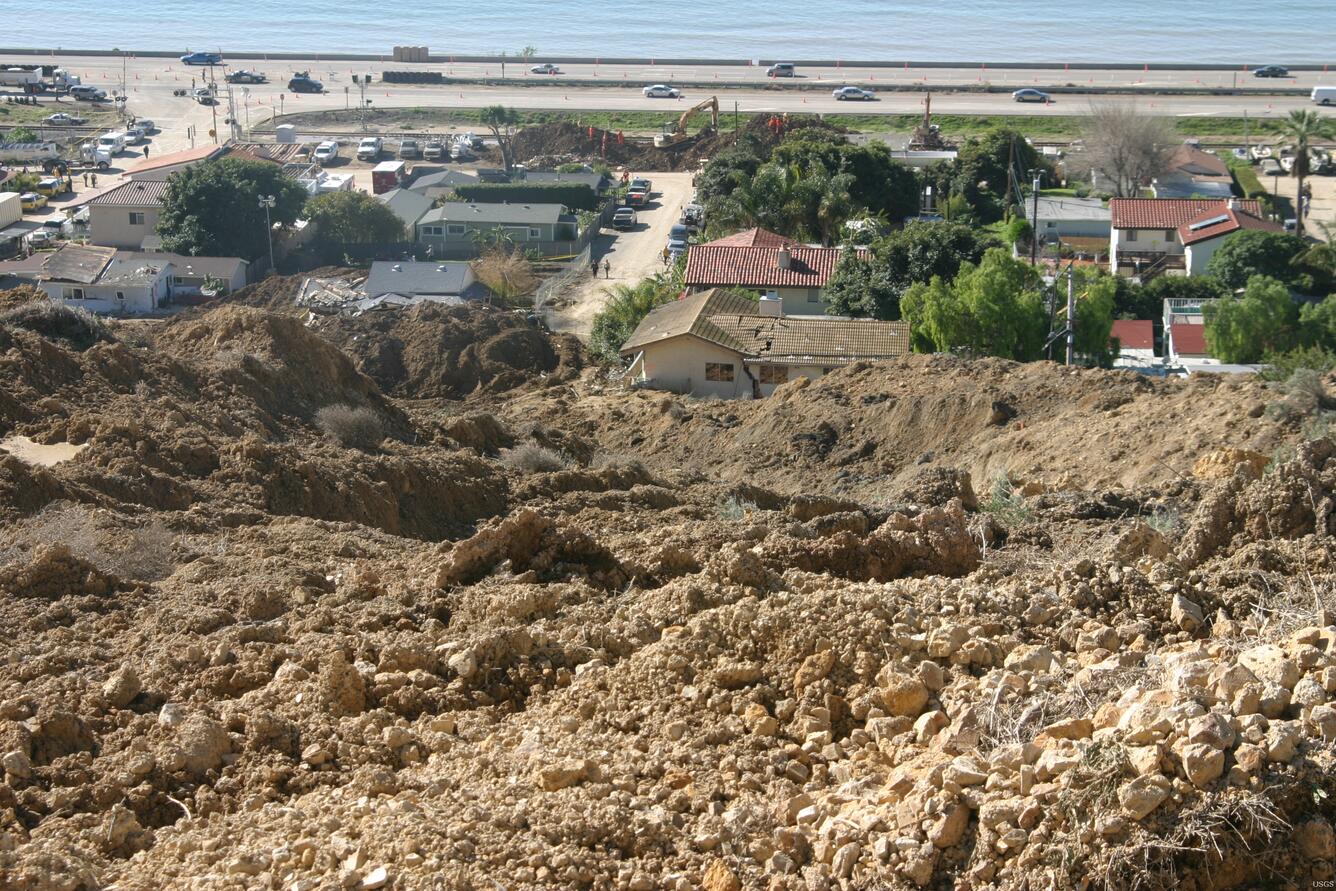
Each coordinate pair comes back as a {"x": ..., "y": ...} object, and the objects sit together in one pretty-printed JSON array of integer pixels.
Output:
[{"x": 268, "y": 201}]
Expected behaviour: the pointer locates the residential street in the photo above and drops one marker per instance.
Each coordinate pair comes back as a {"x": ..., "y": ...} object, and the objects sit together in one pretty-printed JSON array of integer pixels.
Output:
[{"x": 633, "y": 255}]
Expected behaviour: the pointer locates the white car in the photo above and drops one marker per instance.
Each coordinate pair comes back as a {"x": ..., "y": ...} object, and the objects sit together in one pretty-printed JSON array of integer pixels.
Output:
[
  {"x": 134, "y": 136},
  {"x": 545, "y": 68},
  {"x": 661, "y": 91},
  {"x": 326, "y": 152},
  {"x": 60, "y": 119},
  {"x": 854, "y": 93},
  {"x": 369, "y": 148}
]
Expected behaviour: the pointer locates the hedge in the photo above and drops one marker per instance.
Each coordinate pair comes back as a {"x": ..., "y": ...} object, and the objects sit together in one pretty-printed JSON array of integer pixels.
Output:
[{"x": 576, "y": 196}]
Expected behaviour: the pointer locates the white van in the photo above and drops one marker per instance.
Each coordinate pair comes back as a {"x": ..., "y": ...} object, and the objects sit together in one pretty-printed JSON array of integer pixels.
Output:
[
  {"x": 111, "y": 143},
  {"x": 1324, "y": 95}
]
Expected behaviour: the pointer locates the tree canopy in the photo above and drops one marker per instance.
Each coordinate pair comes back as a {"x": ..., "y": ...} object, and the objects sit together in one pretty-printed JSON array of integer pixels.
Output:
[
  {"x": 213, "y": 209},
  {"x": 993, "y": 309},
  {"x": 501, "y": 120},
  {"x": 1253, "y": 252},
  {"x": 1262, "y": 320},
  {"x": 353, "y": 218}
]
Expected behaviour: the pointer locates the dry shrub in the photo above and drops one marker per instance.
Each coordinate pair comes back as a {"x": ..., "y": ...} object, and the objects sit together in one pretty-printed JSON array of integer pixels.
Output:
[
  {"x": 76, "y": 326},
  {"x": 357, "y": 428},
  {"x": 533, "y": 458},
  {"x": 508, "y": 274},
  {"x": 143, "y": 553}
]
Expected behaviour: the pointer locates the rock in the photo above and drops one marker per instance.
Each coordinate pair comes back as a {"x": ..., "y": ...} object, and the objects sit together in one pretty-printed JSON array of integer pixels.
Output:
[
  {"x": 1186, "y": 614},
  {"x": 1270, "y": 663},
  {"x": 315, "y": 754},
  {"x": 1069, "y": 728},
  {"x": 1202, "y": 763},
  {"x": 718, "y": 877},
  {"x": 814, "y": 668},
  {"x": 377, "y": 878},
  {"x": 1308, "y": 693},
  {"x": 842, "y": 866},
  {"x": 1212, "y": 729},
  {"x": 1323, "y": 717},
  {"x": 928, "y": 725},
  {"x": 919, "y": 869},
  {"x": 949, "y": 828},
  {"x": 171, "y": 715},
  {"x": 1222, "y": 464},
  {"x": 203, "y": 743},
  {"x": 342, "y": 688},
  {"x": 464, "y": 664},
  {"x": 564, "y": 775},
  {"x": 17, "y": 765},
  {"x": 1143, "y": 795},
  {"x": 1316, "y": 839},
  {"x": 1038, "y": 659},
  {"x": 121, "y": 688},
  {"x": 943, "y": 642},
  {"x": 903, "y": 695}
]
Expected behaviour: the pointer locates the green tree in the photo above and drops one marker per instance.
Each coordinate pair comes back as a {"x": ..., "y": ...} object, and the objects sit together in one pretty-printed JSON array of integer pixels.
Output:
[
  {"x": 213, "y": 209},
  {"x": 879, "y": 182},
  {"x": 993, "y": 309},
  {"x": 909, "y": 256},
  {"x": 987, "y": 167},
  {"x": 862, "y": 287},
  {"x": 1253, "y": 252},
  {"x": 502, "y": 122},
  {"x": 21, "y": 134},
  {"x": 626, "y": 306},
  {"x": 1317, "y": 323},
  {"x": 1243, "y": 329},
  {"x": 1096, "y": 292},
  {"x": 353, "y": 218},
  {"x": 1303, "y": 127}
]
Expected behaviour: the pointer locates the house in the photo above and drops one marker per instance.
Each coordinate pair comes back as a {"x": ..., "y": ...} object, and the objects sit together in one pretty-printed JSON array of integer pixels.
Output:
[
  {"x": 1136, "y": 342},
  {"x": 407, "y": 205},
  {"x": 716, "y": 343},
  {"x": 456, "y": 228},
  {"x": 1177, "y": 236},
  {"x": 125, "y": 216},
  {"x": 191, "y": 274},
  {"x": 413, "y": 278},
  {"x": 767, "y": 263},
  {"x": 105, "y": 280},
  {"x": 442, "y": 183},
  {"x": 1194, "y": 173},
  {"x": 1062, "y": 218},
  {"x": 1184, "y": 331},
  {"x": 160, "y": 167}
]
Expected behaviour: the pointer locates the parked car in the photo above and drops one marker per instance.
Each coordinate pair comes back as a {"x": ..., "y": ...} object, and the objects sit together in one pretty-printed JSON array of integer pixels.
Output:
[
  {"x": 32, "y": 201},
  {"x": 60, "y": 119},
  {"x": 146, "y": 124},
  {"x": 408, "y": 148},
  {"x": 134, "y": 135},
  {"x": 203, "y": 95},
  {"x": 369, "y": 148},
  {"x": 326, "y": 152},
  {"x": 242, "y": 76},
  {"x": 781, "y": 69},
  {"x": 624, "y": 218},
  {"x": 40, "y": 238},
  {"x": 202, "y": 59},
  {"x": 434, "y": 151},
  {"x": 545, "y": 68},
  {"x": 845, "y": 94},
  {"x": 661, "y": 91},
  {"x": 678, "y": 236},
  {"x": 302, "y": 82},
  {"x": 472, "y": 140},
  {"x": 1030, "y": 94},
  {"x": 1271, "y": 71},
  {"x": 51, "y": 186},
  {"x": 461, "y": 151}
]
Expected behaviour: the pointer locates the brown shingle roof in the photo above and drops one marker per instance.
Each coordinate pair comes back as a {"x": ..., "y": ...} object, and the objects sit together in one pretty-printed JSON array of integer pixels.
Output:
[
  {"x": 713, "y": 265},
  {"x": 732, "y": 322},
  {"x": 77, "y": 263},
  {"x": 1193, "y": 161},
  {"x": 1134, "y": 334},
  {"x": 172, "y": 159},
  {"x": 1170, "y": 213},
  {"x": 1222, "y": 222},
  {"x": 136, "y": 193},
  {"x": 753, "y": 238}
]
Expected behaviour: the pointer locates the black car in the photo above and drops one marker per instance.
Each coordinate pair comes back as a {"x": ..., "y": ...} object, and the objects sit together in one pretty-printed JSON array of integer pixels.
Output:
[
  {"x": 245, "y": 77},
  {"x": 1271, "y": 71},
  {"x": 303, "y": 83}
]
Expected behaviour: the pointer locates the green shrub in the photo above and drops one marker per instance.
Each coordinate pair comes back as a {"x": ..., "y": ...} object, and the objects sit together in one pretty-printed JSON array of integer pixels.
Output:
[{"x": 1006, "y": 504}]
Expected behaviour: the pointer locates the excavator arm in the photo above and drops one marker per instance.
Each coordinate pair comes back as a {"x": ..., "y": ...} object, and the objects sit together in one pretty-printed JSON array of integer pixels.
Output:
[{"x": 679, "y": 135}]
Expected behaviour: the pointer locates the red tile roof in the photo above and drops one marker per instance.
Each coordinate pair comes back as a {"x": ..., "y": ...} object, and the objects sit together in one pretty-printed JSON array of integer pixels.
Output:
[
  {"x": 1189, "y": 340},
  {"x": 753, "y": 238},
  {"x": 713, "y": 265},
  {"x": 1134, "y": 334},
  {"x": 1233, "y": 221},
  {"x": 1170, "y": 213}
]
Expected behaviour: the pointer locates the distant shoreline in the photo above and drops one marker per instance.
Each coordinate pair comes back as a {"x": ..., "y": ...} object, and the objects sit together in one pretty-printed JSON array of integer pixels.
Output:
[{"x": 445, "y": 59}]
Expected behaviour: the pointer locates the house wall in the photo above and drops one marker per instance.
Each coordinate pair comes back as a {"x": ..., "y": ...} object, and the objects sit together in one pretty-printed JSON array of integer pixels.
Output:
[
  {"x": 111, "y": 227},
  {"x": 1074, "y": 228},
  {"x": 139, "y": 299},
  {"x": 793, "y": 372},
  {"x": 678, "y": 364},
  {"x": 185, "y": 283},
  {"x": 1199, "y": 254},
  {"x": 454, "y": 245}
]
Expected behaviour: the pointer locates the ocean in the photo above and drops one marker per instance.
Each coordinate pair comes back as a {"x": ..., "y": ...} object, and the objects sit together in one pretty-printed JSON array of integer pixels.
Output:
[{"x": 1114, "y": 31}]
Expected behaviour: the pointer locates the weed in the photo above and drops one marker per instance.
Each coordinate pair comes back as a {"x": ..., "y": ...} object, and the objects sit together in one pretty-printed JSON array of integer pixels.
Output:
[
  {"x": 533, "y": 458},
  {"x": 1006, "y": 504},
  {"x": 734, "y": 508},
  {"x": 144, "y": 553},
  {"x": 1165, "y": 520},
  {"x": 76, "y": 326},
  {"x": 358, "y": 428}
]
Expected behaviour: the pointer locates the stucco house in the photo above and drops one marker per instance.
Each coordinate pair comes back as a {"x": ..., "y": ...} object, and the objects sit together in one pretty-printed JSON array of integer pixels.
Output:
[
  {"x": 456, "y": 227},
  {"x": 767, "y": 263},
  {"x": 105, "y": 280},
  {"x": 407, "y": 205},
  {"x": 125, "y": 216},
  {"x": 1176, "y": 236},
  {"x": 716, "y": 343},
  {"x": 1194, "y": 173},
  {"x": 1062, "y": 217}
]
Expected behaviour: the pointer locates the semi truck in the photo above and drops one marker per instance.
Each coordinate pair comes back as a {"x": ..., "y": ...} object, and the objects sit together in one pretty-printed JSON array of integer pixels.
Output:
[
  {"x": 32, "y": 81},
  {"x": 28, "y": 152}
]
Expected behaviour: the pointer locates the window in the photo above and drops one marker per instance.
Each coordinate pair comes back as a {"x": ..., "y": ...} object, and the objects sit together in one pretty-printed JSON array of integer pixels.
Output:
[
  {"x": 136, "y": 219},
  {"x": 1131, "y": 235},
  {"x": 719, "y": 371},
  {"x": 813, "y": 295},
  {"x": 120, "y": 295},
  {"x": 535, "y": 234},
  {"x": 72, "y": 293},
  {"x": 454, "y": 229},
  {"x": 774, "y": 374},
  {"x": 431, "y": 230}
]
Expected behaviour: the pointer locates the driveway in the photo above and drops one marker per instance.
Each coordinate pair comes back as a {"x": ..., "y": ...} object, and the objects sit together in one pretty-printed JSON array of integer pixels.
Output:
[{"x": 633, "y": 255}]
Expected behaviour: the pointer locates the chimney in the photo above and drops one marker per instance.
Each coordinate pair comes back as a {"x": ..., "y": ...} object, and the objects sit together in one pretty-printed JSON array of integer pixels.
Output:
[
  {"x": 1234, "y": 204},
  {"x": 771, "y": 306},
  {"x": 785, "y": 258}
]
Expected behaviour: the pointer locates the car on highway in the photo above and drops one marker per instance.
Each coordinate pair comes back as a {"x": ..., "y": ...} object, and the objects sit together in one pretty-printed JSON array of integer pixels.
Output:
[
  {"x": 1030, "y": 94},
  {"x": 408, "y": 148},
  {"x": 661, "y": 91},
  {"x": 545, "y": 68},
  {"x": 302, "y": 82},
  {"x": 202, "y": 59},
  {"x": 434, "y": 151},
  {"x": 85, "y": 93},
  {"x": 1271, "y": 71},
  {"x": 624, "y": 218},
  {"x": 782, "y": 69},
  {"x": 845, "y": 94},
  {"x": 32, "y": 201},
  {"x": 60, "y": 119},
  {"x": 326, "y": 152},
  {"x": 369, "y": 148},
  {"x": 242, "y": 76}
]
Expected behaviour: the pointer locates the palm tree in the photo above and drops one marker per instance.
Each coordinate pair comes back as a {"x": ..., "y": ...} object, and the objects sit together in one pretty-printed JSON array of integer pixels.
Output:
[{"x": 1303, "y": 127}]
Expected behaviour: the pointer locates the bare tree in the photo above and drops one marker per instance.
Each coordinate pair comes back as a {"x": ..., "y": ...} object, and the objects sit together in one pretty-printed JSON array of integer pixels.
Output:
[{"x": 1126, "y": 148}]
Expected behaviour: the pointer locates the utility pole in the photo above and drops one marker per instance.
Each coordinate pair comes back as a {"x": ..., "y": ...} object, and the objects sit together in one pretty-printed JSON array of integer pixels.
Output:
[
  {"x": 268, "y": 201},
  {"x": 1247, "y": 153},
  {"x": 1071, "y": 315},
  {"x": 735, "y": 122},
  {"x": 1034, "y": 223}
]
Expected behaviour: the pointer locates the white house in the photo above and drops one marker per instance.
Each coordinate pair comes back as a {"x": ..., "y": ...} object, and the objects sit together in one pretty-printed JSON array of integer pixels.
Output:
[
  {"x": 769, "y": 264},
  {"x": 1176, "y": 236},
  {"x": 715, "y": 343},
  {"x": 127, "y": 216},
  {"x": 105, "y": 280}
]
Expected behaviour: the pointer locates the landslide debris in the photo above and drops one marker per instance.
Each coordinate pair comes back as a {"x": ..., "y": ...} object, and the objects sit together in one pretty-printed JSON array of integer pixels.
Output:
[{"x": 720, "y": 646}]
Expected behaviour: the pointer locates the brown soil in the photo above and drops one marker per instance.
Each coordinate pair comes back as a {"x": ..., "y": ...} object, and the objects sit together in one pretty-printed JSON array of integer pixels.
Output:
[{"x": 794, "y": 644}]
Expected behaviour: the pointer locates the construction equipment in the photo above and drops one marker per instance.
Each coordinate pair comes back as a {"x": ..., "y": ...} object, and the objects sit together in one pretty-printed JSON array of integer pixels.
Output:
[
  {"x": 927, "y": 137},
  {"x": 678, "y": 135}
]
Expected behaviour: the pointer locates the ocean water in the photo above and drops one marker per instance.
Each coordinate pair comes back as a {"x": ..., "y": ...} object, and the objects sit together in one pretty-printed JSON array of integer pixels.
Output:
[{"x": 1128, "y": 31}]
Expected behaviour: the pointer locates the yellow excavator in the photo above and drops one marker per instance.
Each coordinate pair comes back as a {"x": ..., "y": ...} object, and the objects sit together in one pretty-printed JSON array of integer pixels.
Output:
[{"x": 678, "y": 135}]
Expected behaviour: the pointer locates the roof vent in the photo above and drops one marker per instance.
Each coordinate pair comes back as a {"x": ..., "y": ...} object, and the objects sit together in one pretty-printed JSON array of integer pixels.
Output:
[
  {"x": 1235, "y": 204},
  {"x": 785, "y": 258},
  {"x": 1207, "y": 223}
]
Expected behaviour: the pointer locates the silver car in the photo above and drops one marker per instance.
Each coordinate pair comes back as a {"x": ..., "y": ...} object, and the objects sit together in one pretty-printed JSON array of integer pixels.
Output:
[
  {"x": 661, "y": 91},
  {"x": 1029, "y": 94},
  {"x": 854, "y": 93}
]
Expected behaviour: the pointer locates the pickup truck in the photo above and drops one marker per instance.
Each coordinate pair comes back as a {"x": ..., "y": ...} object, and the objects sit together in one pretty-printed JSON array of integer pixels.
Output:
[{"x": 369, "y": 148}]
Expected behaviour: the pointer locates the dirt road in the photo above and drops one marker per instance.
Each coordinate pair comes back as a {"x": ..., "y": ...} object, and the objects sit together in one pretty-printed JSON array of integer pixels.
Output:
[{"x": 632, "y": 255}]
